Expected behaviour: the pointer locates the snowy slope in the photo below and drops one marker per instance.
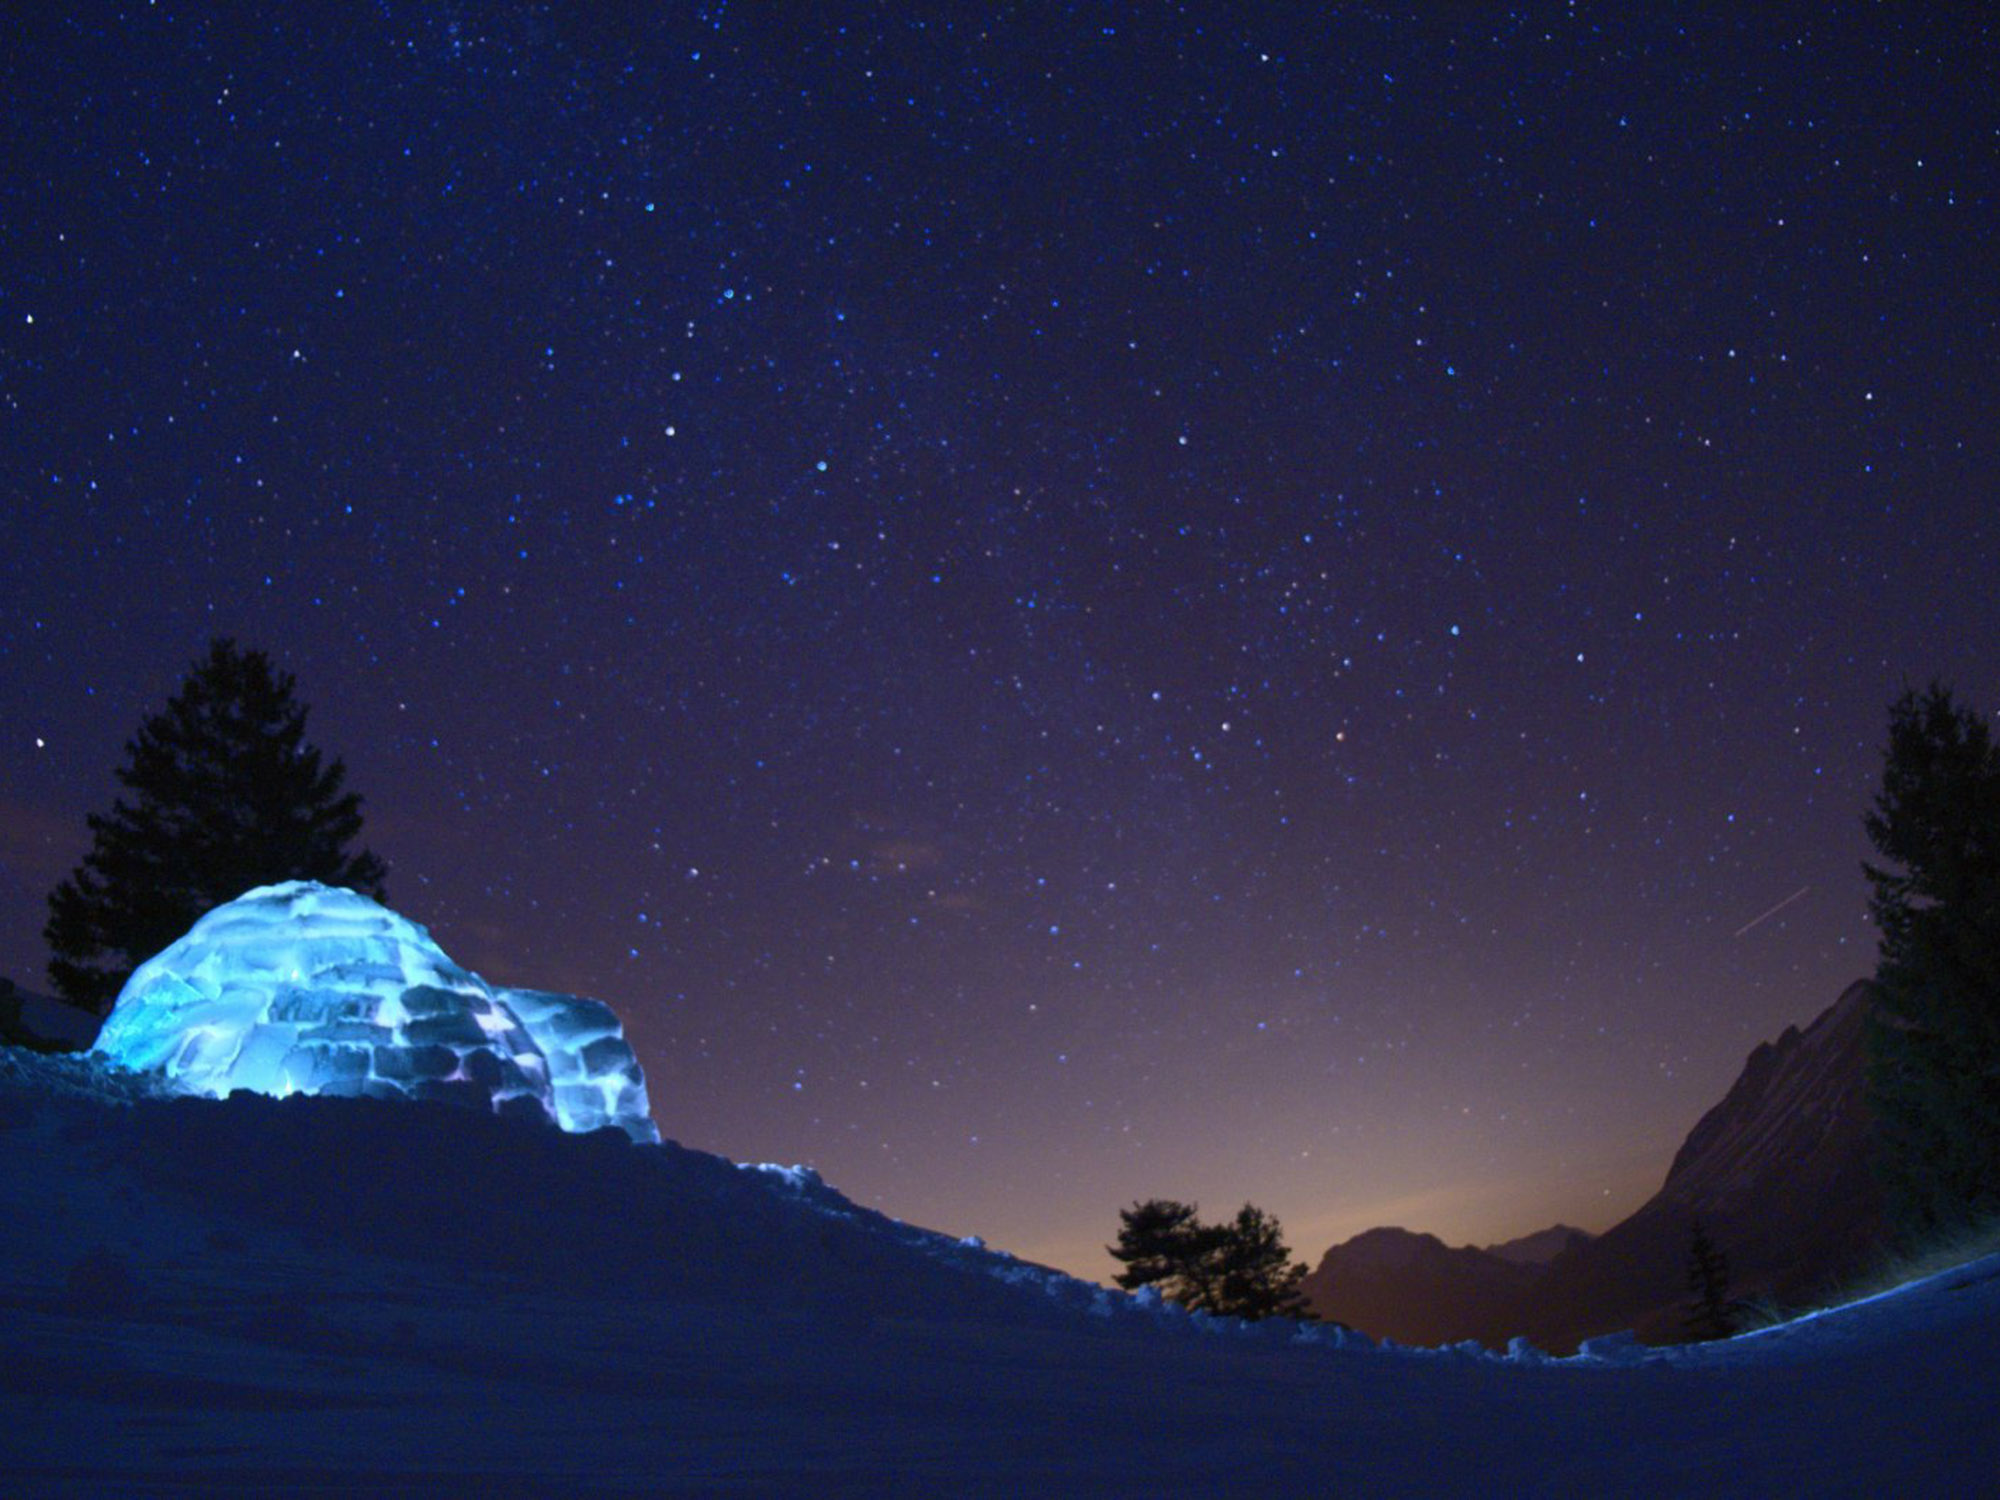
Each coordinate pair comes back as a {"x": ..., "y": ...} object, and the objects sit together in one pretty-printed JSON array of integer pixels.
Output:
[
  {"x": 42, "y": 1023},
  {"x": 262, "y": 1294}
]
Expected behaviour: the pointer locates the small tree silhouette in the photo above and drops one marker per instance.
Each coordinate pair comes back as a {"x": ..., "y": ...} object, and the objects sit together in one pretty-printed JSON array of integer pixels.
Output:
[
  {"x": 1712, "y": 1314},
  {"x": 1238, "y": 1269}
]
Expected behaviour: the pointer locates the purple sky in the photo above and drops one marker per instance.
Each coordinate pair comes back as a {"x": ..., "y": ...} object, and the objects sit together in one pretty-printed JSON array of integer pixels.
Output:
[{"x": 1058, "y": 607}]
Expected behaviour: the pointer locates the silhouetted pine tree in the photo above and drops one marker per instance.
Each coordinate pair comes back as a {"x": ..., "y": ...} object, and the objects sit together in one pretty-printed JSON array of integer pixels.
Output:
[
  {"x": 1258, "y": 1276},
  {"x": 1162, "y": 1243},
  {"x": 1238, "y": 1269},
  {"x": 225, "y": 794},
  {"x": 1934, "y": 1028},
  {"x": 1712, "y": 1315}
]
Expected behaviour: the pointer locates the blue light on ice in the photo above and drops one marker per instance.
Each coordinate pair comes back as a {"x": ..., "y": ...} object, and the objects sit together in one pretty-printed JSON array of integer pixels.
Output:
[{"x": 306, "y": 988}]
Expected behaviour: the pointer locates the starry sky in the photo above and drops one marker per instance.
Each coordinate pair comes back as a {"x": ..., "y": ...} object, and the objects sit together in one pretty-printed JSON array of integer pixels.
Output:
[{"x": 1058, "y": 603}]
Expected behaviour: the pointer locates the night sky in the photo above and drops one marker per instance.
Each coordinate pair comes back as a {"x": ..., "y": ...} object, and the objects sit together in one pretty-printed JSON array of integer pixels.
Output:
[{"x": 1058, "y": 605}]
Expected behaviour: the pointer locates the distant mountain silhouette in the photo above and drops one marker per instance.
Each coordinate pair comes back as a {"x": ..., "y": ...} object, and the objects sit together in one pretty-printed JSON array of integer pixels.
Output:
[
  {"x": 1417, "y": 1290},
  {"x": 1777, "y": 1172},
  {"x": 1541, "y": 1247}
]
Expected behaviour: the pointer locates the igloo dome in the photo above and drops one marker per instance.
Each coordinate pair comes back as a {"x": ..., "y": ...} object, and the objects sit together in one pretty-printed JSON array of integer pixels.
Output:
[{"x": 314, "y": 989}]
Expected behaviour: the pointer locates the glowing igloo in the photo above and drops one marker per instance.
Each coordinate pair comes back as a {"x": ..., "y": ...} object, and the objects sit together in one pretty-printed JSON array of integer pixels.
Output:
[{"x": 313, "y": 989}]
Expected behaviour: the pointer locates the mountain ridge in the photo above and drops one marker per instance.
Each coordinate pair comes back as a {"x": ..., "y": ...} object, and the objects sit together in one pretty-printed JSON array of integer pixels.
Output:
[
  {"x": 1776, "y": 1172},
  {"x": 1541, "y": 1247}
]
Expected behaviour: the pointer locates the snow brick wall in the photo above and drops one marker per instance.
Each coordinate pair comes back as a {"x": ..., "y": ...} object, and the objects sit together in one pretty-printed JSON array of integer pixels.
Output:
[{"x": 307, "y": 988}]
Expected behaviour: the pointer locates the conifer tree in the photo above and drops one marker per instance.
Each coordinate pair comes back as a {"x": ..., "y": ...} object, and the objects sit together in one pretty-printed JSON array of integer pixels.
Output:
[
  {"x": 224, "y": 794},
  {"x": 1934, "y": 1027},
  {"x": 1258, "y": 1275},
  {"x": 1712, "y": 1315},
  {"x": 1163, "y": 1243},
  {"x": 1238, "y": 1269}
]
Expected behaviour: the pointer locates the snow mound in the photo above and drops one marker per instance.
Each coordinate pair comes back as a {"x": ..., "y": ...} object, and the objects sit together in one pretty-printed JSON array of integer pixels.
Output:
[
  {"x": 252, "y": 1281},
  {"x": 304, "y": 988}
]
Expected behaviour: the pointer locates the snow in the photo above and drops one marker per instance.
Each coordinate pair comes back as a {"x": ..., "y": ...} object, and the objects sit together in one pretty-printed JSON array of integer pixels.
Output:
[
  {"x": 48, "y": 1023},
  {"x": 314, "y": 989},
  {"x": 347, "y": 1293}
]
